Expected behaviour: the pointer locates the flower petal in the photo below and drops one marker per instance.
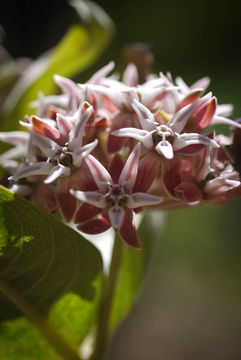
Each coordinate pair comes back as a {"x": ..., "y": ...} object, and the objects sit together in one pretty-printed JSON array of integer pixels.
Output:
[
  {"x": 140, "y": 199},
  {"x": 56, "y": 172},
  {"x": 99, "y": 172},
  {"x": 186, "y": 139},
  {"x": 86, "y": 212},
  {"x": 95, "y": 226},
  {"x": 178, "y": 121},
  {"x": 79, "y": 154},
  {"x": 91, "y": 197},
  {"x": 41, "y": 168},
  {"x": 145, "y": 116},
  {"x": 142, "y": 135},
  {"x": 116, "y": 214},
  {"x": 129, "y": 172},
  {"x": 128, "y": 232},
  {"x": 165, "y": 149}
]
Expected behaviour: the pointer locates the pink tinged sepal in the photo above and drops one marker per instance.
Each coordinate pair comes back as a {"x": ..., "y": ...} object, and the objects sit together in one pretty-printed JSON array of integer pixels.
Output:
[
  {"x": 164, "y": 148},
  {"x": 179, "y": 120},
  {"x": 129, "y": 172},
  {"x": 85, "y": 213},
  {"x": 44, "y": 129},
  {"x": 95, "y": 226},
  {"x": 99, "y": 172},
  {"x": 186, "y": 139},
  {"x": 145, "y": 116},
  {"x": 136, "y": 200},
  {"x": 56, "y": 172},
  {"x": 116, "y": 214},
  {"x": 67, "y": 203},
  {"x": 130, "y": 76},
  {"x": 128, "y": 232},
  {"x": 41, "y": 168},
  {"x": 190, "y": 98},
  {"x": 189, "y": 191},
  {"x": 205, "y": 112},
  {"x": 91, "y": 197},
  {"x": 64, "y": 124}
]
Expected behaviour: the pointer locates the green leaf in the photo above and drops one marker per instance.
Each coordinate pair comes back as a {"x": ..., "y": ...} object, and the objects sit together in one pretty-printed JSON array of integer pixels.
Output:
[
  {"x": 56, "y": 269},
  {"x": 134, "y": 268},
  {"x": 81, "y": 46}
]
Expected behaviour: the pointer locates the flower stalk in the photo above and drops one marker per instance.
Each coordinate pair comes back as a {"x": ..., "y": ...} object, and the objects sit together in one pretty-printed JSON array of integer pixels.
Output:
[{"x": 103, "y": 325}]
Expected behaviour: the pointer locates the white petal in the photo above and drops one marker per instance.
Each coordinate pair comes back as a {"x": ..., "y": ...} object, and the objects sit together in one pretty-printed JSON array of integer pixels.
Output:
[
  {"x": 41, "y": 168},
  {"x": 80, "y": 153},
  {"x": 202, "y": 83},
  {"x": 116, "y": 215},
  {"x": 186, "y": 139},
  {"x": 99, "y": 172},
  {"x": 143, "y": 136},
  {"x": 102, "y": 73},
  {"x": 56, "y": 172},
  {"x": 179, "y": 120},
  {"x": 165, "y": 149},
  {"x": 64, "y": 124},
  {"x": 47, "y": 146},
  {"x": 91, "y": 197},
  {"x": 222, "y": 120},
  {"x": 76, "y": 133},
  {"x": 145, "y": 116},
  {"x": 15, "y": 137},
  {"x": 129, "y": 171},
  {"x": 136, "y": 200}
]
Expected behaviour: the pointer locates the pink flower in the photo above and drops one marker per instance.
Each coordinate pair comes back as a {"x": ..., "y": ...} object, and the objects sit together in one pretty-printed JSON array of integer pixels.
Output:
[{"x": 114, "y": 196}]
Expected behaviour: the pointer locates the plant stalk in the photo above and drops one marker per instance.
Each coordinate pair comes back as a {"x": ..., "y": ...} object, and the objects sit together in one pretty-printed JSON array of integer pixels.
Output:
[
  {"x": 102, "y": 335},
  {"x": 54, "y": 339}
]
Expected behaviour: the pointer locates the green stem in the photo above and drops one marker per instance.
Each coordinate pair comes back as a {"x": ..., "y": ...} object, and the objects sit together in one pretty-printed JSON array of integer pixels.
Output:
[
  {"x": 102, "y": 335},
  {"x": 52, "y": 337}
]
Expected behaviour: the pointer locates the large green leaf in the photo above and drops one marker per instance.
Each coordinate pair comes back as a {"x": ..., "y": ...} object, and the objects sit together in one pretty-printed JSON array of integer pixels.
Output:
[
  {"x": 134, "y": 268},
  {"x": 57, "y": 270},
  {"x": 80, "y": 47}
]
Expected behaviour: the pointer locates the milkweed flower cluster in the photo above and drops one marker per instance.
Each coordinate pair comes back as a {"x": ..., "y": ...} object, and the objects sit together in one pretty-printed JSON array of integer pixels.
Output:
[{"x": 101, "y": 151}]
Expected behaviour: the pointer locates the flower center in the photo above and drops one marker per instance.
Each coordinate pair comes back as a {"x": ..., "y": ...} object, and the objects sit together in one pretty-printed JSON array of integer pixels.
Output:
[
  {"x": 63, "y": 157},
  {"x": 116, "y": 195},
  {"x": 162, "y": 133}
]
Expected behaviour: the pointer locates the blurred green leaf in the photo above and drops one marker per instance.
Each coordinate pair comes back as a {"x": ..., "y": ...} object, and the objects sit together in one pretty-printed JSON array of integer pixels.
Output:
[
  {"x": 81, "y": 46},
  {"x": 134, "y": 268},
  {"x": 57, "y": 270}
]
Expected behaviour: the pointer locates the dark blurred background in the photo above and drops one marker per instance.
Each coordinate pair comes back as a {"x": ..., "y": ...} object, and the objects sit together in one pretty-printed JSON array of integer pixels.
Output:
[{"x": 191, "y": 303}]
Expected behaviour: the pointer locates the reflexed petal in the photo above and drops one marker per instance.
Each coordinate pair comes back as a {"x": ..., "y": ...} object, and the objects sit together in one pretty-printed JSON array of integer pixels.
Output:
[
  {"x": 121, "y": 120},
  {"x": 147, "y": 171},
  {"x": 76, "y": 133},
  {"x": 145, "y": 116},
  {"x": 102, "y": 73},
  {"x": 15, "y": 137},
  {"x": 99, "y": 172},
  {"x": 189, "y": 191},
  {"x": 138, "y": 134},
  {"x": 67, "y": 204},
  {"x": 136, "y": 200},
  {"x": 128, "y": 232},
  {"x": 95, "y": 226},
  {"x": 91, "y": 197},
  {"x": 186, "y": 139},
  {"x": 116, "y": 214},
  {"x": 129, "y": 172},
  {"x": 41, "y": 168},
  {"x": 223, "y": 120},
  {"x": 178, "y": 121},
  {"x": 79, "y": 154},
  {"x": 165, "y": 149},
  {"x": 172, "y": 175},
  {"x": 115, "y": 168},
  {"x": 219, "y": 185},
  {"x": 86, "y": 212},
  {"x": 56, "y": 172},
  {"x": 63, "y": 123}
]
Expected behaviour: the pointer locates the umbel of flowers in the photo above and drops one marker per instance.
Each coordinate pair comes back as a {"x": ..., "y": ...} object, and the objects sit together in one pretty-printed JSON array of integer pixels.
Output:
[{"x": 101, "y": 151}]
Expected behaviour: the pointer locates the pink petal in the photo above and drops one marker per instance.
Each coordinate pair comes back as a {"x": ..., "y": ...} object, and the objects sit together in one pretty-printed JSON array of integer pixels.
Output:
[
  {"x": 40, "y": 127},
  {"x": 172, "y": 175},
  {"x": 130, "y": 76},
  {"x": 129, "y": 172},
  {"x": 95, "y": 226},
  {"x": 99, "y": 172},
  {"x": 116, "y": 167},
  {"x": 128, "y": 232},
  {"x": 86, "y": 212},
  {"x": 64, "y": 125},
  {"x": 189, "y": 191},
  {"x": 190, "y": 98},
  {"x": 205, "y": 114},
  {"x": 102, "y": 73},
  {"x": 67, "y": 203},
  {"x": 146, "y": 172}
]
